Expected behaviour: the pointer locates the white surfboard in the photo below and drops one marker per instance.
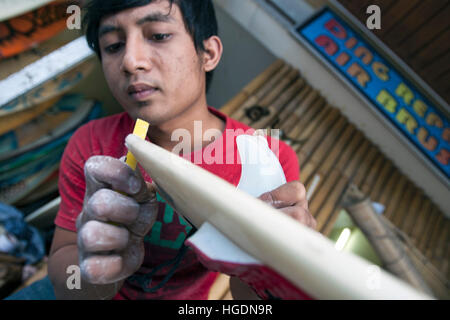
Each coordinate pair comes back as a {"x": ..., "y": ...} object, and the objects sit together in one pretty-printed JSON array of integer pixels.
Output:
[
  {"x": 235, "y": 226},
  {"x": 66, "y": 115},
  {"x": 52, "y": 75},
  {"x": 14, "y": 8},
  {"x": 12, "y": 194}
]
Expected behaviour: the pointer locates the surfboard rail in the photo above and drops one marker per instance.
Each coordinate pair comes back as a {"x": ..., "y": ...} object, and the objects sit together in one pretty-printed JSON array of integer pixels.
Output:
[{"x": 303, "y": 256}]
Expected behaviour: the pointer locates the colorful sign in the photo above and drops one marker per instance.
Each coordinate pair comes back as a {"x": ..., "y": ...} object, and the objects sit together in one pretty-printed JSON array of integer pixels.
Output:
[{"x": 397, "y": 99}]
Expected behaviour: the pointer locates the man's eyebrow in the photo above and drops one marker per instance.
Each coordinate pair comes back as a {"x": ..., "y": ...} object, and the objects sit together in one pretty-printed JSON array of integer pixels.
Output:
[
  {"x": 107, "y": 29},
  {"x": 156, "y": 17},
  {"x": 153, "y": 17}
]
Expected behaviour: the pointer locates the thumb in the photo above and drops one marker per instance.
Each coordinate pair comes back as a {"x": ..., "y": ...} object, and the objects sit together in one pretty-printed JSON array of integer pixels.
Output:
[
  {"x": 270, "y": 199},
  {"x": 147, "y": 191}
]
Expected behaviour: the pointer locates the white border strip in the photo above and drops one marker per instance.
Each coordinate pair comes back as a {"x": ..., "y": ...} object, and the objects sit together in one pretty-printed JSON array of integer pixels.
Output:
[{"x": 45, "y": 69}]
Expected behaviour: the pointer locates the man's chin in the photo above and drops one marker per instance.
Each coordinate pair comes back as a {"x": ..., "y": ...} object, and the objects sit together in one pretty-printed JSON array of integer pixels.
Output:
[{"x": 152, "y": 114}]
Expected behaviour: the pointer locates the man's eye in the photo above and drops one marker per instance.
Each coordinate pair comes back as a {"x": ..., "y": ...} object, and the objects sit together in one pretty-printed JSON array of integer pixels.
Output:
[
  {"x": 113, "y": 48},
  {"x": 161, "y": 36}
]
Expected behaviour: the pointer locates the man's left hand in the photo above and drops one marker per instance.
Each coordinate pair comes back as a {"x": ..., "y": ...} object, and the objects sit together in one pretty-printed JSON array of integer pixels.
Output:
[{"x": 290, "y": 198}]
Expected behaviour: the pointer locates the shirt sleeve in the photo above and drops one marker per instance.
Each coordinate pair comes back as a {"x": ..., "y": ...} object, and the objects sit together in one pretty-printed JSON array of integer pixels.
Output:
[
  {"x": 71, "y": 180},
  {"x": 289, "y": 162}
]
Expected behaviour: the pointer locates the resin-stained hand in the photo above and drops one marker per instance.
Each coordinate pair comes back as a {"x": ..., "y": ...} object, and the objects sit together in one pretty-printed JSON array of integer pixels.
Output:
[
  {"x": 119, "y": 210},
  {"x": 290, "y": 198}
]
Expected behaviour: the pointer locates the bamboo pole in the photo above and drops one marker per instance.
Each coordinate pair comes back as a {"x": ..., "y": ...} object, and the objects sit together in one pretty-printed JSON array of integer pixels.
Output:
[
  {"x": 260, "y": 92},
  {"x": 302, "y": 107},
  {"x": 417, "y": 230},
  {"x": 293, "y": 109},
  {"x": 434, "y": 277},
  {"x": 366, "y": 165},
  {"x": 442, "y": 242},
  {"x": 275, "y": 106},
  {"x": 330, "y": 174},
  {"x": 428, "y": 228},
  {"x": 357, "y": 143},
  {"x": 403, "y": 208},
  {"x": 416, "y": 204},
  {"x": 282, "y": 86},
  {"x": 251, "y": 88},
  {"x": 385, "y": 242},
  {"x": 331, "y": 193},
  {"x": 325, "y": 157},
  {"x": 395, "y": 197},
  {"x": 381, "y": 181},
  {"x": 437, "y": 229},
  {"x": 305, "y": 150},
  {"x": 268, "y": 99},
  {"x": 355, "y": 159},
  {"x": 374, "y": 172},
  {"x": 386, "y": 193},
  {"x": 265, "y": 89},
  {"x": 310, "y": 120}
]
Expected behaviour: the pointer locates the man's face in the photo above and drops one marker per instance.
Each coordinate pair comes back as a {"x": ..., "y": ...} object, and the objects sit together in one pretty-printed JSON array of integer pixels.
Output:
[{"x": 150, "y": 62}]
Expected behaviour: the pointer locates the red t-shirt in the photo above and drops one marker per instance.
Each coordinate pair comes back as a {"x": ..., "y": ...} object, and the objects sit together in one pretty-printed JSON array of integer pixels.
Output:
[{"x": 170, "y": 270}]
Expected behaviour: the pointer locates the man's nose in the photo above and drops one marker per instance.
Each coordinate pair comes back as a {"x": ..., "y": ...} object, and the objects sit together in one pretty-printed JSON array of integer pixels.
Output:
[{"x": 136, "y": 57}]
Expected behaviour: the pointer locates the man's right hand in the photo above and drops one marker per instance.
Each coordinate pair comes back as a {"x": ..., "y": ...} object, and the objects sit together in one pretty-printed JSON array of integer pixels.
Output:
[{"x": 119, "y": 210}]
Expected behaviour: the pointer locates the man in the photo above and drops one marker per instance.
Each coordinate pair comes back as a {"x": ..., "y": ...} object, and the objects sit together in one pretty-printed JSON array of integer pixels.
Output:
[{"x": 158, "y": 58}]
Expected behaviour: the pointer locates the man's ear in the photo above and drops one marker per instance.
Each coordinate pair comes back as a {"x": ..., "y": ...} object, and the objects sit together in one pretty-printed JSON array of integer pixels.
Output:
[{"x": 212, "y": 54}]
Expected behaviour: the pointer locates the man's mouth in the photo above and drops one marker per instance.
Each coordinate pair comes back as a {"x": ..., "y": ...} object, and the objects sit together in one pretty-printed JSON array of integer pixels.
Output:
[{"x": 141, "y": 91}]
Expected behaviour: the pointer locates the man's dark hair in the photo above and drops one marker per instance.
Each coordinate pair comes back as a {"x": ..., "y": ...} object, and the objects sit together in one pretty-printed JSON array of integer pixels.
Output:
[{"x": 198, "y": 15}]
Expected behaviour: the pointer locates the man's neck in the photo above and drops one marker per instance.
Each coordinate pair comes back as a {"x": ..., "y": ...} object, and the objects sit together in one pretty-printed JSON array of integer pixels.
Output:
[{"x": 163, "y": 135}]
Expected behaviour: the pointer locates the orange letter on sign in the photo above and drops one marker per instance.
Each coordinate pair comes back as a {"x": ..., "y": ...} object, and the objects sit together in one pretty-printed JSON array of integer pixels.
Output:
[
  {"x": 430, "y": 143},
  {"x": 336, "y": 29},
  {"x": 364, "y": 54},
  {"x": 434, "y": 120},
  {"x": 355, "y": 70},
  {"x": 350, "y": 43},
  {"x": 443, "y": 156},
  {"x": 446, "y": 134},
  {"x": 380, "y": 70},
  {"x": 328, "y": 44},
  {"x": 342, "y": 59}
]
